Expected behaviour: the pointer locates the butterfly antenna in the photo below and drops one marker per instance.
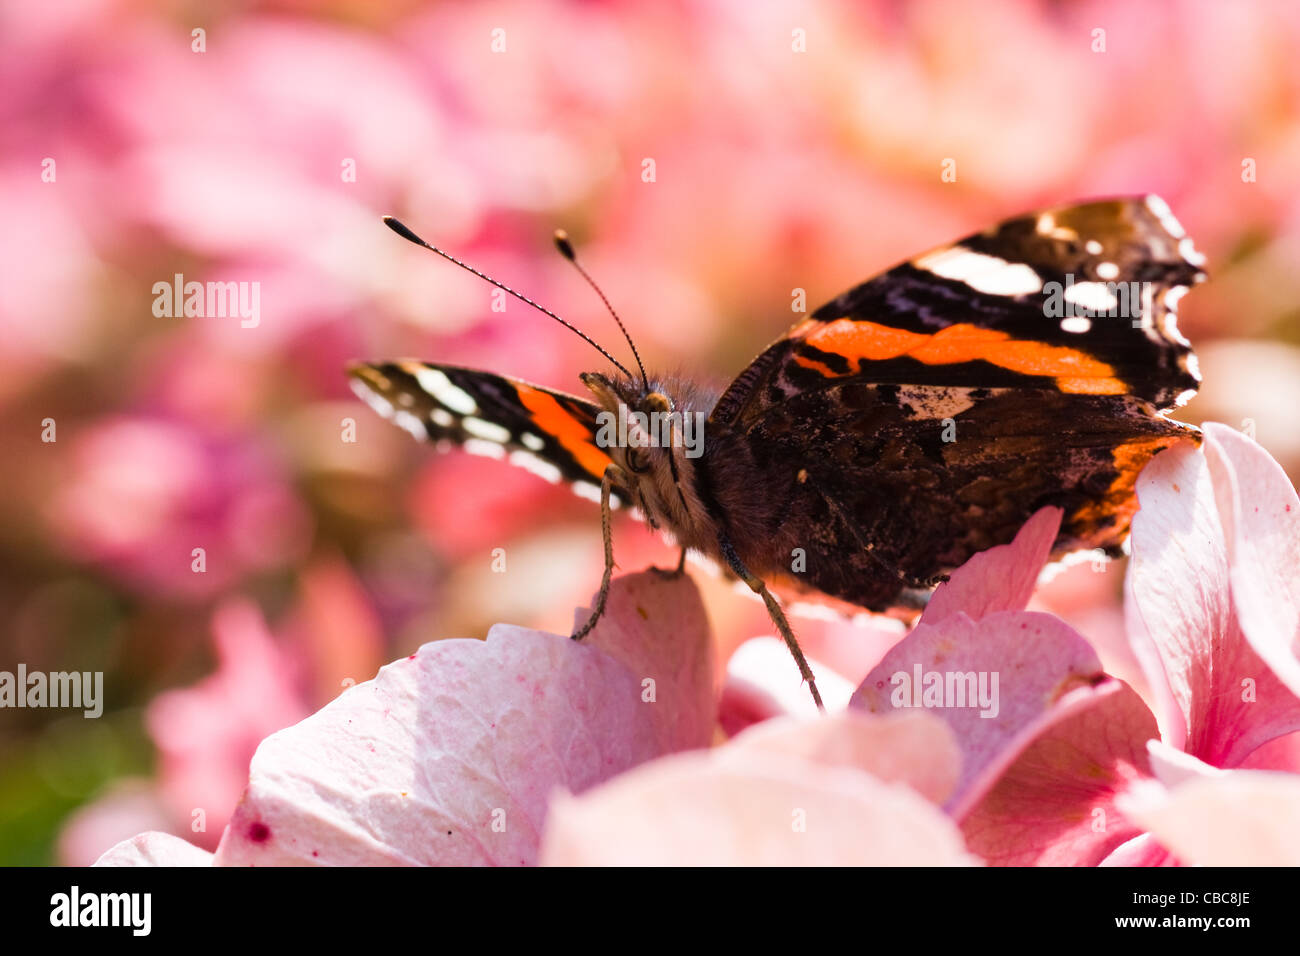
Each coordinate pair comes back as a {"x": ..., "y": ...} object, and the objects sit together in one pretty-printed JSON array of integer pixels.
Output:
[
  {"x": 397, "y": 227},
  {"x": 566, "y": 249}
]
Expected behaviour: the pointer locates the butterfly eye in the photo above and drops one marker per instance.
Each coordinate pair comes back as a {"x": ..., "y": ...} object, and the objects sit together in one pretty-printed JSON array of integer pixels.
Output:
[{"x": 637, "y": 461}]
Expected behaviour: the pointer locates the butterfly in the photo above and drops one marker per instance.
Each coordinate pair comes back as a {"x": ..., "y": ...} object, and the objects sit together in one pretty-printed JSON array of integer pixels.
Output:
[{"x": 908, "y": 424}]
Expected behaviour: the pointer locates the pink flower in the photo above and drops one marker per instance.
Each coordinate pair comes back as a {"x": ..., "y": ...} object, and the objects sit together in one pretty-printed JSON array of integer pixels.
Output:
[
  {"x": 1021, "y": 750},
  {"x": 451, "y": 756},
  {"x": 206, "y": 734},
  {"x": 143, "y": 494},
  {"x": 841, "y": 790}
]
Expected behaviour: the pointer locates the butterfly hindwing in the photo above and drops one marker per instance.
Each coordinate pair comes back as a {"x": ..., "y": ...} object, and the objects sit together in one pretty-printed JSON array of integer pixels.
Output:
[
  {"x": 930, "y": 411},
  {"x": 886, "y": 498},
  {"x": 547, "y": 432}
]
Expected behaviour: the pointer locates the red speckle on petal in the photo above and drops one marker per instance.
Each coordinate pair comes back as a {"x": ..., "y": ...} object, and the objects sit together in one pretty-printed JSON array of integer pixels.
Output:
[{"x": 259, "y": 832}]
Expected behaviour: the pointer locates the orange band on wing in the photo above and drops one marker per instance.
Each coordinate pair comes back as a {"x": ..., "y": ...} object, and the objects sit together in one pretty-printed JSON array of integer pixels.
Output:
[
  {"x": 857, "y": 341},
  {"x": 1116, "y": 507},
  {"x": 551, "y": 418}
]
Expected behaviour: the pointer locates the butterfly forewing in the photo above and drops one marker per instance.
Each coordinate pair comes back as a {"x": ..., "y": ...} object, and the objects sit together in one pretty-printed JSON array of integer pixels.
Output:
[{"x": 544, "y": 431}]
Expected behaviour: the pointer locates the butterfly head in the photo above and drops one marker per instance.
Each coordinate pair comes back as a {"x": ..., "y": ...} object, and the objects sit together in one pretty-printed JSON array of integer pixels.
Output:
[
  {"x": 637, "y": 413},
  {"x": 655, "y": 440}
]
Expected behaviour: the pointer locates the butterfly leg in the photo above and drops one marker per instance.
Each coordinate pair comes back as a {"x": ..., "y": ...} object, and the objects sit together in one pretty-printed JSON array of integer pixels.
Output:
[
  {"x": 675, "y": 573},
  {"x": 774, "y": 611},
  {"x": 612, "y": 474}
]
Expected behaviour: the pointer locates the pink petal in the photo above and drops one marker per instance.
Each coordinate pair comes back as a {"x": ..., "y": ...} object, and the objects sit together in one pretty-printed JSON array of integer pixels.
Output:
[
  {"x": 1260, "y": 512},
  {"x": 1142, "y": 850},
  {"x": 768, "y": 801},
  {"x": 658, "y": 629},
  {"x": 914, "y": 748},
  {"x": 1055, "y": 803},
  {"x": 1034, "y": 659},
  {"x": 155, "y": 849},
  {"x": 1280, "y": 753},
  {"x": 1215, "y": 697},
  {"x": 762, "y": 682},
  {"x": 1171, "y": 766},
  {"x": 1086, "y": 596},
  {"x": 1001, "y": 578},
  {"x": 1241, "y": 818},
  {"x": 450, "y": 756}
]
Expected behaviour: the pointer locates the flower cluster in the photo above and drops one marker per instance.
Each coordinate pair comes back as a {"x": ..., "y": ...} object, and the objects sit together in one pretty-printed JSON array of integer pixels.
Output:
[{"x": 528, "y": 748}]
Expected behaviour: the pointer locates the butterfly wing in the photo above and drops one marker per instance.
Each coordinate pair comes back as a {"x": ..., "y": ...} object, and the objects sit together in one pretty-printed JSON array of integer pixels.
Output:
[
  {"x": 935, "y": 407},
  {"x": 983, "y": 312},
  {"x": 547, "y": 432}
]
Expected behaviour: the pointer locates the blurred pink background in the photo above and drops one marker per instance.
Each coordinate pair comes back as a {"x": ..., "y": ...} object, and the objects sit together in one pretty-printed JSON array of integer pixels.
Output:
[{"x": 795, "y": 145}]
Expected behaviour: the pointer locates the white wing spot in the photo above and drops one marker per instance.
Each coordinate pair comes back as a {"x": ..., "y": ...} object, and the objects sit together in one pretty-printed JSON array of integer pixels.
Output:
[
  {"x": 1046, "y": 226},
  {"x": 585, "y": 489},
  {"x": 1093, "y": 247},
  {"x": 488, "y": 449},
  {"x": 382, "y": 406},
  {"x": 489, "y": 431},
  {"x": 1107, "y": 270},
  {"x": 538, "y": 466},
  {"x": 1187, "y": 250},
  {"x": 442, "y": 418},
  {"x": 1160, "y": 209},
  {"x": 437, "y": 384},
  {"x": 1092, "y": 296},
  {"x": 1169, "y": 323},
  {"x": 532, "y": 441},
  {"x": 411, "y": 423},
  {"x": 987, "y": 274},
  {"x": 1077, "y": 324}
]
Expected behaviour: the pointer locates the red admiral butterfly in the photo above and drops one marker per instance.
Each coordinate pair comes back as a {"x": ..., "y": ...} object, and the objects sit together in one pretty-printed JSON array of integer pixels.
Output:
[{"x": 914, "y": 421}]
